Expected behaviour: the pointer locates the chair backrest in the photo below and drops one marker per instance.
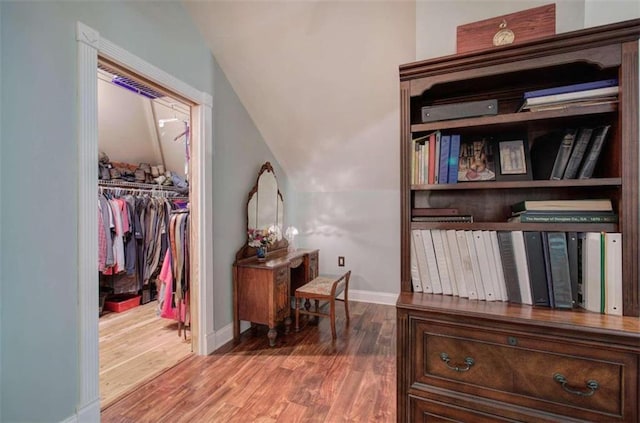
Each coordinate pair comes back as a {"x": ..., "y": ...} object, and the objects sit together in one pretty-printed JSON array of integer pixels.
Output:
[{"x": 341, "y": 284}]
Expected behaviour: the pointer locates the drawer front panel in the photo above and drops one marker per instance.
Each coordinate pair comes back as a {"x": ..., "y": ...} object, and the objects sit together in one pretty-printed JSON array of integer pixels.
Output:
[
  {"x": 560, "y": 377},
  {"x": 429, "y": 411}
]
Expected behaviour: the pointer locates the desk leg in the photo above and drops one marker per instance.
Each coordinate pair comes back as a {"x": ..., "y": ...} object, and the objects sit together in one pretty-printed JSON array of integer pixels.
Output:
[
  {"x": 287, "y": 325},
  {"x": 272, "y": 336}
]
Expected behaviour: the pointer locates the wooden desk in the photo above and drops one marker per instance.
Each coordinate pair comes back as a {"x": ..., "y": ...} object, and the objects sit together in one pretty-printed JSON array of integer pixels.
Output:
[{"x": 262, "y": 289}]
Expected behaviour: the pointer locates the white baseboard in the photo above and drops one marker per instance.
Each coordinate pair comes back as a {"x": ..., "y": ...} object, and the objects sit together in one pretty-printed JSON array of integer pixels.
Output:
[
  {"x": 225, "y": 334},
  {"x": 90, "y": 413}
]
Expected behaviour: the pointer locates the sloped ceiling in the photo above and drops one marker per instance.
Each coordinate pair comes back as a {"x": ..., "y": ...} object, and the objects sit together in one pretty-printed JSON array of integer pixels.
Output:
[{"x": 320, "y": 81}]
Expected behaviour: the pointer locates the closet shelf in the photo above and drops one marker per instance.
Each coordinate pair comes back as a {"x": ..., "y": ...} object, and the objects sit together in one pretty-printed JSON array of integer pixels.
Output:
[{"x": 139, "y": 185}]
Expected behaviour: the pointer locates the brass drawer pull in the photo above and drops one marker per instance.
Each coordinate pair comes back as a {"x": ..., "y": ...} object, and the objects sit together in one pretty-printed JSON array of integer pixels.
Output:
[
  {"x": 592, "y": 385},
  {"x": 468, "y": 361}
]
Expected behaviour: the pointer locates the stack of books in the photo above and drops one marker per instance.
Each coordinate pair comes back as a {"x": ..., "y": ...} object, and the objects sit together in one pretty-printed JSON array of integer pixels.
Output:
[
  {"x": 564, "y": 211},
  {"x": 547, "y": 269},
  {"x": 433, "y": 214},
  {"x": 584, "y": 94}
]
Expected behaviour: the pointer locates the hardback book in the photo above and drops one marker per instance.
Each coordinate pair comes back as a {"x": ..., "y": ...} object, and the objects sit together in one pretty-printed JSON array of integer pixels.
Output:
[
  {"x": 600, "y": 204},
  {"x": 591, "y": 272},
  {"x": 431, "y": 165},
  {"x": 448, "y": 255},
  {"x": 540, "y": 216},
  {"x": 509, "y": 269},
  {"x": 613, "y": 273},
  {"x": 502, "y": 284},
  {"x": 580, "y": 147},
  {"x": 574, "y": 262},
  {"x": 560, "y": 271},
  {"x": 570, "y": 97},
  {"x": 460, "y": 218},
  {"x": 564, "y": 152},
  {"x": 572, "y": 88},
  {"x": 436, "y": 159},
  {"x": 441, "y": 260},
  {"x": 475, "y": 265},
  {"x": 537, "y": 273},
  {"x": 488, "y": 282},
  {"x": 597, "y": 141},
  {"x": 548, "y": 154},
  {"x": 445, "y": 149},
  {"x": 467, "y": 267},
  {"x": 522, "y": 266},
  {"x": 434, "y": 211},
  {"x": 421, "y": 260},
  {"x": 459, "y": 110},
  {"x": 547, "y": 268},
  {"x": 432, "y": 264},
  {"x": 415, "y": 272},
  {"x": 454, "y": 155},
  {"x": 456, "y": 263}
]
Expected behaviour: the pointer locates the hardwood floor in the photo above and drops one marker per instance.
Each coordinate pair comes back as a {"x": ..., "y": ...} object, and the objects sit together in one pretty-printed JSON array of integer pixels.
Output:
[
  {"x": 305, "y": 378},
  {"x": 135, "y": 346}
]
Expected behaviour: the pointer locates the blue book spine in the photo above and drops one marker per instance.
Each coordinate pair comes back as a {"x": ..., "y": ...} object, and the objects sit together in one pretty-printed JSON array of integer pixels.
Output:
[
  {"x": 572, "y": 88},
  {"x": 445, "y": 142},
  {"x": 453, "y": 159}
]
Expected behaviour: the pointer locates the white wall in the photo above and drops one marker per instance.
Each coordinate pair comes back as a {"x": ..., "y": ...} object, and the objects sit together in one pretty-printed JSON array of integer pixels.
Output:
[
  {"x": 601, "y": 12},
  {"x": 38, "y": 181}
]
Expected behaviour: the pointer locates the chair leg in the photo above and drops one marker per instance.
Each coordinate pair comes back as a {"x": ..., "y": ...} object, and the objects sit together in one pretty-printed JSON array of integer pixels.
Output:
[
  {"x": 346, "y": 306},
  {"x": 297, "y": 314},
  {"x": 332, "y": 305},
  {"x": 317, "y": 304}
]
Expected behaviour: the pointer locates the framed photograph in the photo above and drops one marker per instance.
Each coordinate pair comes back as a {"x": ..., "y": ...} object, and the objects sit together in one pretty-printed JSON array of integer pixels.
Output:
[
  {"x": 514, "y": 162},
  {"x": 476, "y": 160}
]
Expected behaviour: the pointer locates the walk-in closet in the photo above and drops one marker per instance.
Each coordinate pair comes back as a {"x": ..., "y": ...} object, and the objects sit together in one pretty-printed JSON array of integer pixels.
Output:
[{"x": 143, "y": 231}]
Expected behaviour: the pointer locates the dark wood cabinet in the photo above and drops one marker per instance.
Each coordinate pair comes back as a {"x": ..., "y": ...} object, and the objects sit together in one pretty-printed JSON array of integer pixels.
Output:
[{"x": 474, "y": 361}]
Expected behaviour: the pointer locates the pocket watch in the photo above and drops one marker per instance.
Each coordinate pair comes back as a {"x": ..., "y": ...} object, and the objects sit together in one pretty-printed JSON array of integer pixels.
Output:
[{"x": 504, "y": 35}]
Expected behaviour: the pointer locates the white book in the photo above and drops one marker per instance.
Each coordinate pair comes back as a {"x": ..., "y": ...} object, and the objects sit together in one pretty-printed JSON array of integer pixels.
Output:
[
  {"x": 502, "y": 284},
  {"x": 415, "y": 272},
  {"x": 421, "y": 259},
  {"x": 456, "y": 263},
  {"x": 613, "y": 273},
  {"x": 447, "y": 253},
  {"x": 592, "y": 272},
  {"x": 467, "y": 268},
  {"x": 432, "y": 264},
  {"x": 441, "y": 259},
  {"x": 483, "y": 264},
  {"x": 520, "y": 255},
  {"x": 475, "y": 265}
]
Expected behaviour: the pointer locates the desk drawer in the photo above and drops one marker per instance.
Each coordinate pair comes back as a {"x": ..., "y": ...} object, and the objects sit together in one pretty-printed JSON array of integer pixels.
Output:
[{"x": 559, "y": 376}]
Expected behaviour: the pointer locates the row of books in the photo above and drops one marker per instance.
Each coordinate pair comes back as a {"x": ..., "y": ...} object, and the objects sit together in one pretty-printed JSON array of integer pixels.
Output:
[
  {"x": 575, "y": 153},
  {"x": 549, "y": 269},
  {"x": 435, "y": 159},
  {"x": 588, "y": 93}
]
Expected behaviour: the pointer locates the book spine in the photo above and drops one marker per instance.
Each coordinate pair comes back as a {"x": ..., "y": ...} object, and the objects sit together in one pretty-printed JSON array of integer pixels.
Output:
[
  {"x": 458, "y": 269},
  {"x": 577, "y": 218},
  {"x": 509, "y": 268},
  {"x": 574, "y": 274},
  {"x": 522, "y": 266},
  {"x": 572, "y": 88},
  {"x": 562, "y": 158},
  {"x": 436, "y": 160},
  {"x": 415, "y": 273},
  {"x": 431, "y": 166},
  {"x": 547, "y": 268},
  {"x": 537, "y": 276},
  {"x": 560, "y": 272},
  {"x": 445, "y": 148},
  {"x": 581, "y": 144},
  {"x": 454, "y": 156},
  {"x": 590, "y": 161},
  {"x": 613, "y": 270}
]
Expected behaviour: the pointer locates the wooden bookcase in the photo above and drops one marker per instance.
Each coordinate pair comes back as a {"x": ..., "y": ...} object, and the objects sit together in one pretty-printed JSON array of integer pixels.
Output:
[{"x": 517, "y": 350}]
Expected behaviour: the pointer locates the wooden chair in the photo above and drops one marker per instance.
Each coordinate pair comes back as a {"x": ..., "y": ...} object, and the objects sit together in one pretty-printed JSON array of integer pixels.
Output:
[{"x": 323, "y": 288}]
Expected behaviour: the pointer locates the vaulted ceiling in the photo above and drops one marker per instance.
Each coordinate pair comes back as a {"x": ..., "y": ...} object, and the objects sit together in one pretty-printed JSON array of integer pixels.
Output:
[{"x": 320, "y": 81}]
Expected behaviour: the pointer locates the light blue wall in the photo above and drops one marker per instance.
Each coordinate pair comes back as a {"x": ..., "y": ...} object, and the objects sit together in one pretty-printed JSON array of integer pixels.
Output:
[{"x": 38, "y": 181}]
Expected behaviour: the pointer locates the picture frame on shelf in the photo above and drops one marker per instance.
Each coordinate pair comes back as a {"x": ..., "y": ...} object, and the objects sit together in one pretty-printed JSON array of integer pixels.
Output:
[
  {"x": 476, "y": 161},
  {"x": 513, "y": 160}
]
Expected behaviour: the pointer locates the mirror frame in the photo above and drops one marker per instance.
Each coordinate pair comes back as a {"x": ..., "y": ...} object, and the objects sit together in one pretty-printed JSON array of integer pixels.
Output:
[{"x": 246, "y": 250}]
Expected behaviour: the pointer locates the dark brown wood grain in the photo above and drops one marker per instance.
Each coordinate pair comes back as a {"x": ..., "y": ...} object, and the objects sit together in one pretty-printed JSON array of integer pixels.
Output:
[{"x": 305, "y": 378}]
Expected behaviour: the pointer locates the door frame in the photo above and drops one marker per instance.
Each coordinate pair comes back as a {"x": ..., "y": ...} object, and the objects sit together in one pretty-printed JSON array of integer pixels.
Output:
[{"x": 91, "y": 45}]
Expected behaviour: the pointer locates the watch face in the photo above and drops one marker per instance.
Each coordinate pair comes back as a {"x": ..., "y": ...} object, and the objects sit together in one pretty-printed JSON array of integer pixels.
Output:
[{"x": 504, "y": 36}]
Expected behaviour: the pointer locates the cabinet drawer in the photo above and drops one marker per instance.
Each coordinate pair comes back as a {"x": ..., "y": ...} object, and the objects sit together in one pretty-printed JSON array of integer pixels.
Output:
[{"x": 558, "y": 376}]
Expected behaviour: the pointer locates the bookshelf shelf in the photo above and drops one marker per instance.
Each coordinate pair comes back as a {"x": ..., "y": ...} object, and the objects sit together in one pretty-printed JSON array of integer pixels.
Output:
[
  {"x": 519, "y": 339},
  {"x": 592, "y": 182}
]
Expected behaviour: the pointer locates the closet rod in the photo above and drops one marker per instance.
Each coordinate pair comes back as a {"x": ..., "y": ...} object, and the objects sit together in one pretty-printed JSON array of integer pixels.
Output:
[{"x": 138, "y": 185}]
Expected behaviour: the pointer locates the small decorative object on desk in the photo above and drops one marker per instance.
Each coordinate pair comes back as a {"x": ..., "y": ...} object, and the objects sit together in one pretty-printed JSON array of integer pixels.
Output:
[
  {"x": 261, "y": 238},
  {"x": 290, "y": 235}
]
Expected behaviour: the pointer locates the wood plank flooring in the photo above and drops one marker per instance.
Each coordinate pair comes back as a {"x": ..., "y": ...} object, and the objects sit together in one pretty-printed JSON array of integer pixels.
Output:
[
  {"x": 136, "y": 346},
  {"x": 306, "y": 377}
]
